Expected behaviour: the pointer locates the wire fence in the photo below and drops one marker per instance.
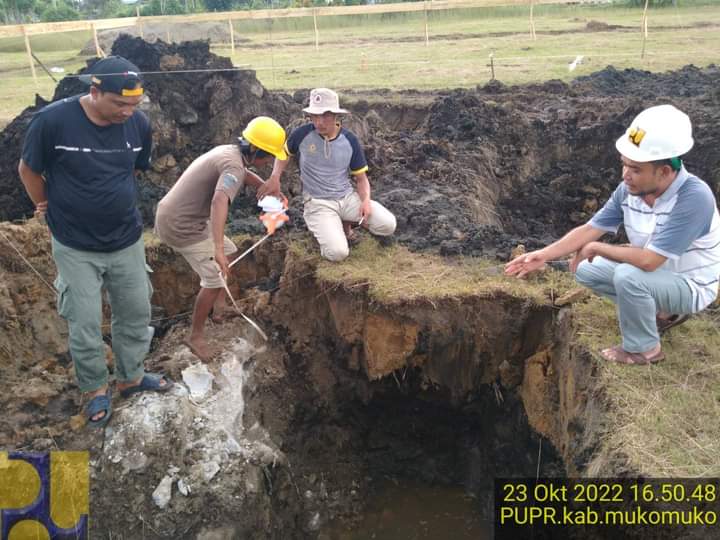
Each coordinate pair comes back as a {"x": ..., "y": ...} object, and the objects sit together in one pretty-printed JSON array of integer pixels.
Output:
[{"x": 430, "y": 48}]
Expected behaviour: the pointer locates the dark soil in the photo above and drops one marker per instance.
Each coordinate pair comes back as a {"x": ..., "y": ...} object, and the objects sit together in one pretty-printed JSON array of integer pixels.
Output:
[{"x": 476, "y": 172}]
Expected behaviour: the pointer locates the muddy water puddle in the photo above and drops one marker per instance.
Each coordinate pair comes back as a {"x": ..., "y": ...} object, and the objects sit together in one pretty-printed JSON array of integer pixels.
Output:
[{"x": 406, "y": 510}]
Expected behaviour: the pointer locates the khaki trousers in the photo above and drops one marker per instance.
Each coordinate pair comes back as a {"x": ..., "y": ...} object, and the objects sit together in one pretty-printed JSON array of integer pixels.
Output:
[{"x": 324, "y": 218}]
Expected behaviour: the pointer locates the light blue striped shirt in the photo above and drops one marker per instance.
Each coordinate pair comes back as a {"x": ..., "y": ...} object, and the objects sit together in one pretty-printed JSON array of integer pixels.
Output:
[{"x": 683, "y": 225}]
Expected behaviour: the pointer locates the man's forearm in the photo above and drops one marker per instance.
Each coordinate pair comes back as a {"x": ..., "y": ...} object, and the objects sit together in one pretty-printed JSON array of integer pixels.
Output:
[
  {"x": 644, "y": 259},
  {"x": 218, "y": 217},
  {"x": 571, "y": 242},
  {"x": 279, "y": 167},
  {"x": 363, "y": 186},
  {"x": 252, "y": 179},
  {"x": 33, "y": 182}
]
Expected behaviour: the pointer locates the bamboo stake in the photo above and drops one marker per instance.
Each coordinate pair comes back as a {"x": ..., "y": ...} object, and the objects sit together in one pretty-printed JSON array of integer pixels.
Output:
[
  {"x": 317, "y": 35},
  {"x": 167, "y": 36},
  {"x": 427, "y": 34},
  {"x": 139, "y": 22},
  {"x": 532, "y": 20},
  {"x": 644, "y": 29},
  {"x": 232, "y": 37},
  {"x": 30, "y": 57},
  {"x": 98, "y": 50}
]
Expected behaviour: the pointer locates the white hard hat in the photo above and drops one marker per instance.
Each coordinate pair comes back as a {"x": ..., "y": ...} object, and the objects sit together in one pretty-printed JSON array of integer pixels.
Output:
[{"x": 657, "y": 133}]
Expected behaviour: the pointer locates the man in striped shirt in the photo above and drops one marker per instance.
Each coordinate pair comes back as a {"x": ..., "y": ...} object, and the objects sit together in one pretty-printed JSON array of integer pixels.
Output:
[{"x": 671, "y": 267}]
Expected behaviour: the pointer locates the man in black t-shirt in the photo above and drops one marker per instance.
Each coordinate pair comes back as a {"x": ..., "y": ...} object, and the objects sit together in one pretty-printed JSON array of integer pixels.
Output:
[{"x": 77, "y": 165}]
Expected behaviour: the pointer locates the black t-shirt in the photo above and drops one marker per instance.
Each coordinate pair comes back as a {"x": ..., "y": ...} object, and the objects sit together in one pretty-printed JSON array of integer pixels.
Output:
[{"x": 89, "y": 174}]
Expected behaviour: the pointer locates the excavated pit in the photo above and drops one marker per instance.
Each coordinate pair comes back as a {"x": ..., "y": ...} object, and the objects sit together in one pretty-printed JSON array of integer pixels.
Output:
[{"x": 301, "y": 435}]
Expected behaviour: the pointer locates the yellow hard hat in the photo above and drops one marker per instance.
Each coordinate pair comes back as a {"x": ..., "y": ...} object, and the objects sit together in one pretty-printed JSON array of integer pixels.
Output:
[{"x": 266, "y": 134}]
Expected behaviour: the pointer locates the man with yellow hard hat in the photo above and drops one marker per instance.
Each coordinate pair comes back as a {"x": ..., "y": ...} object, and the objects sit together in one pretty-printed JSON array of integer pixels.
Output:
[
  {"x": 191, "y": 217},
  {"x": 671, "y": 267}
]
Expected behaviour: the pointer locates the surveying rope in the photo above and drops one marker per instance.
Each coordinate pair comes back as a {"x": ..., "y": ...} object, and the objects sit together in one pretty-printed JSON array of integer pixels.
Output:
[
  {"x": 159, "y": 319},
  {"x": 28, "y": 263}
]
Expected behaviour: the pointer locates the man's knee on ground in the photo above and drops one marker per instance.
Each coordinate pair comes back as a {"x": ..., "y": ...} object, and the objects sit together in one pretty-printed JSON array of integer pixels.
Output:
[
  {"x": 336, "y": 253},
  {"x": 385, "y": 227}
]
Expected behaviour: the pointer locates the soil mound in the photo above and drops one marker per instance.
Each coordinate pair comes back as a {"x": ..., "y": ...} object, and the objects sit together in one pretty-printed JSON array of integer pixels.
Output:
[
  {"x": 196, "y": 100},
  {"x": 475, "y": 172},
  {"x": 215, "y": 32}
]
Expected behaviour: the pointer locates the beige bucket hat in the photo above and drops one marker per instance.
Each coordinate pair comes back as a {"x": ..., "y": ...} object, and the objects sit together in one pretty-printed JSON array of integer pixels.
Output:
[{"x": 324, "y": 100}]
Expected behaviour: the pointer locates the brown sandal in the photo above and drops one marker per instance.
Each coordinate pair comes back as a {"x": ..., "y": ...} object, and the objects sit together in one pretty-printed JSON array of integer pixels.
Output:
[
  {"x": 632, "y": 359},
  {"x": 663, "y": 325}
]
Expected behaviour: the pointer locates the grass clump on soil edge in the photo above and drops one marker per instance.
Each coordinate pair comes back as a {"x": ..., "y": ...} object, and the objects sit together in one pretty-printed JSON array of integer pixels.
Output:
[
  {"x": 661, "y": 418},
  {"x": 394, "y": 274}
]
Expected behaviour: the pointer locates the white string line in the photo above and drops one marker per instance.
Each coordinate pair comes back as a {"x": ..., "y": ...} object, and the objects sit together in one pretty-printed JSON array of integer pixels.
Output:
[
  {"x": 28, "y": 263},
  {"x": 498, "y": 61}
]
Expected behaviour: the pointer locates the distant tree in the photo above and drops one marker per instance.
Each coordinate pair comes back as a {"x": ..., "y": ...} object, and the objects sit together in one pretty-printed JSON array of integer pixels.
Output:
[
  {"x": 17, "y": 11},
  {"x": 219, "y": 5},
  {"x": 61, "y": 12}
]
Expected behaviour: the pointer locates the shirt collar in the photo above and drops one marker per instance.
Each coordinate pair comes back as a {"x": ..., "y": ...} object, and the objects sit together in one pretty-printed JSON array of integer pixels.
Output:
[{"x": 676, "y": 184}]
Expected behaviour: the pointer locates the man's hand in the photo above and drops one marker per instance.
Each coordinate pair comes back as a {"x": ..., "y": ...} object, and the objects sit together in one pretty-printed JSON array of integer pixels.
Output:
[
  {"x": 525, "y": 264},
  {"x": 271, "y": 187},
  {"x": 588, "y": 251},
  {"x": 365, "y": 211},
  {"x": 41, "y": 210},
  {"x": 222, "y": 262}
]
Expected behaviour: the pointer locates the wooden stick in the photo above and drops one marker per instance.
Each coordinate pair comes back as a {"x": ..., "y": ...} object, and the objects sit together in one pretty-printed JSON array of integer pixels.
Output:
[
  {"x": 317, "y": 34},
  {"x": 532, "y": 20},
  {"x": 98, "y": 50},
  {"x": 44, "y": 68},
  {"x": 139, "y": 22},
  {"x": 644, "y": 29},
  {"x": 427, "y": 34},
  {"x": 30, "y": 57},
  {"x": 256, "y": 244}
]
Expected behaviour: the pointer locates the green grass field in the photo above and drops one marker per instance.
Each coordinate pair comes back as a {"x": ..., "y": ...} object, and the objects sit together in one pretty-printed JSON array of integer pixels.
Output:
[{"x": 390, "y": 51}]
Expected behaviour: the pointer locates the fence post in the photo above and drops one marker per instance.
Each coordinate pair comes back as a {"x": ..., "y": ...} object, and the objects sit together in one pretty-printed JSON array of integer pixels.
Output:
[
  {"x": 30, "y": 58},
  {"x": 427, "y": 36},
  {"x": 532, "y": 19},
  {"x": 139, "y": 22},
  {"x": 232, "y": 37},
  {"x": 317, "y": 35},
  {"x": 644, "y": 29},
  {"x": 98, "y": 50}
]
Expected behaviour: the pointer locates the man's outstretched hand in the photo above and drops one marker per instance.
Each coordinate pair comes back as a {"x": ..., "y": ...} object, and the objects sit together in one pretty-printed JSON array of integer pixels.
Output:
[{"x": 525, "y": 264}]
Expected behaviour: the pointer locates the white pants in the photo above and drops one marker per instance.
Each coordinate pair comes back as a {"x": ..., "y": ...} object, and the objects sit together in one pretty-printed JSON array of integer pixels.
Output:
[{"x": 324, "y": 219}]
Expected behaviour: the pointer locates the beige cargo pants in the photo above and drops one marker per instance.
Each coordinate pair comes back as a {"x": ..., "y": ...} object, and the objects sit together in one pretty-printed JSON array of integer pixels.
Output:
[{"x": 324, "y": 218}]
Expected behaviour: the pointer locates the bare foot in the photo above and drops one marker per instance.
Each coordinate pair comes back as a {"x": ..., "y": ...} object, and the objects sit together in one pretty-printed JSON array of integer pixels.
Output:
[
  {"x": 200, "y": 348},
  {"x": 618, "y": 354},
  {"x": 222, "y": 315}
]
